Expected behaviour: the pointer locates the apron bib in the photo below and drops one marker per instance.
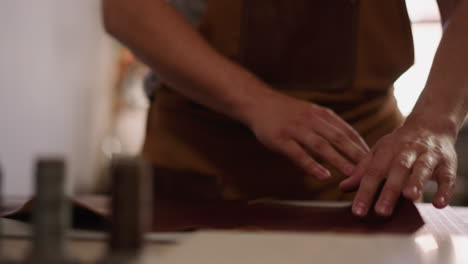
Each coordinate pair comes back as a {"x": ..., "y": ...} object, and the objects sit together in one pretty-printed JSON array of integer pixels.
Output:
[{"x": 341, "y": 54}]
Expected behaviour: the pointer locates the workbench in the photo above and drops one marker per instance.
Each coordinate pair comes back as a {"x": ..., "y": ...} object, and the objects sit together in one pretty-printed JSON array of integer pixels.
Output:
[{"x": 443, "y": 239}]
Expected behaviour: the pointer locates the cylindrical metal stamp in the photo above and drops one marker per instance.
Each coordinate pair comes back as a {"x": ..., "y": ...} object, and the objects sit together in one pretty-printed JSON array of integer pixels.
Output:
[
  {"x": 51, "y": 213},
  {"x": 131, "y": 204},
  {"x": 131, "y": 209}
]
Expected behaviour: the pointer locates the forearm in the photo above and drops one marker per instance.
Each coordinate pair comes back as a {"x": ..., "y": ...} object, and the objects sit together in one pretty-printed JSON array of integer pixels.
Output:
[
  {"x": 445, "y": 97},
  {"x": 155, "y": 31},
  {"x": 182, "y": 58}
]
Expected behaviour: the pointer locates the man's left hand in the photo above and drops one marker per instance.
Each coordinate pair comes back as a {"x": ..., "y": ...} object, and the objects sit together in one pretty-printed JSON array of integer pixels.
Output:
[{"x": 406, "y": 160}]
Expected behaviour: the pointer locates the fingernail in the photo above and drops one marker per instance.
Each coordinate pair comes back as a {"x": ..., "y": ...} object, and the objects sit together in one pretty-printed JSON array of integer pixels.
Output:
[
  {"x": 360, "y": 209},
  {"x": 419, "y": 194},
  {"x": 342, "y": 184},
  {"x": 323, "y": 174},
  {"x": 416, "y": 192},
  {"x": 442, "y": 201},
  {"x": 348, "y": 170},
  {"x": 384, "y": 208},
  {"x": 413, "y": 193}
]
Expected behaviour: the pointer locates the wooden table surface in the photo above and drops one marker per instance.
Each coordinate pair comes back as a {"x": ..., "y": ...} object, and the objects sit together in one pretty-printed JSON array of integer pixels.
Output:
[{"x": 442, "y": 240}]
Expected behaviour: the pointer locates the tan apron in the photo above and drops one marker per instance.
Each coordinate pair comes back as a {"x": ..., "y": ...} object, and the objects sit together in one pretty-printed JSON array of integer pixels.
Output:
[{"x": 341, "y": 54}]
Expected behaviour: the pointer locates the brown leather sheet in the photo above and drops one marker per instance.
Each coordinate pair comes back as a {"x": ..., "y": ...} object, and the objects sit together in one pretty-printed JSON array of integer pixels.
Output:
[
  {"x": 272, "y": 216},
  {"x": 91, "y": 212}
]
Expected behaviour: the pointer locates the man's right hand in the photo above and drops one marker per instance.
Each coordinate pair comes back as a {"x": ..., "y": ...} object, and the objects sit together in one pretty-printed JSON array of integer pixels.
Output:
[
  {"x": 301, "y": 131},
  {"x": 155, "y": 31}
]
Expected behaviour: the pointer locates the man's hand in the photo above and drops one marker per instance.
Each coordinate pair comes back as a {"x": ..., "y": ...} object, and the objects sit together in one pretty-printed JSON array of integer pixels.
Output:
[
  {"x": 301, "y": 130},
  {"x": 406, "y": 160},
  {"x": 423, "y": 148}
]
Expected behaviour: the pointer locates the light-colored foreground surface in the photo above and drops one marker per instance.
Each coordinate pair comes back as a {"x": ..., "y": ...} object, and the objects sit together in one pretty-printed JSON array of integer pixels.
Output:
[
  {"x": 443, "y": 240},
  {"x": 272, "y": 248}
]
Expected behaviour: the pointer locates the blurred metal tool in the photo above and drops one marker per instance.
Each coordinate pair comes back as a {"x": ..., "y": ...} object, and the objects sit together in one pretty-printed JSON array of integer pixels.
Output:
[
  {"x": 131, "y": 208},
  {"x": 51, "y": 214}
]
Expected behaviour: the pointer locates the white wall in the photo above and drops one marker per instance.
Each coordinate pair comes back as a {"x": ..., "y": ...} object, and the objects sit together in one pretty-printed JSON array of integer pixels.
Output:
[
  {"x": 427, "y": 31},
  {"x": 55, "y": 74}
]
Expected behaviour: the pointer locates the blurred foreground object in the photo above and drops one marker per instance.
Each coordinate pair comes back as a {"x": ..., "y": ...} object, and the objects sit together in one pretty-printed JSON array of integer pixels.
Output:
[
  {"x": 131, "y": 208},
  {"x": 51, "y": 215}
]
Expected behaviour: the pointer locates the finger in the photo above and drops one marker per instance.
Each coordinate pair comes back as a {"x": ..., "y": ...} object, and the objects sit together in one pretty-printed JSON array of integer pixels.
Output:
[
  {"x": 396, "y": 180},
  {"x": 300, "y": 157},
  {"x": 341, "y": 140},
  {"x": 373, "y": 176},
  {"x": 422, "y": 172},
  {"x": 445, "y": 177},
  {"x": 324, "y": 150},
  {"x": 352, "y": 183},
  {"x": 344, "y": 126}
]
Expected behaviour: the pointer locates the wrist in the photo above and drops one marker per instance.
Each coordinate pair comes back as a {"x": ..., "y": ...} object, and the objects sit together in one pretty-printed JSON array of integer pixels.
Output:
[
  {"x": 439, "y": 123},
  {"x": 250, "y": 107}
]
